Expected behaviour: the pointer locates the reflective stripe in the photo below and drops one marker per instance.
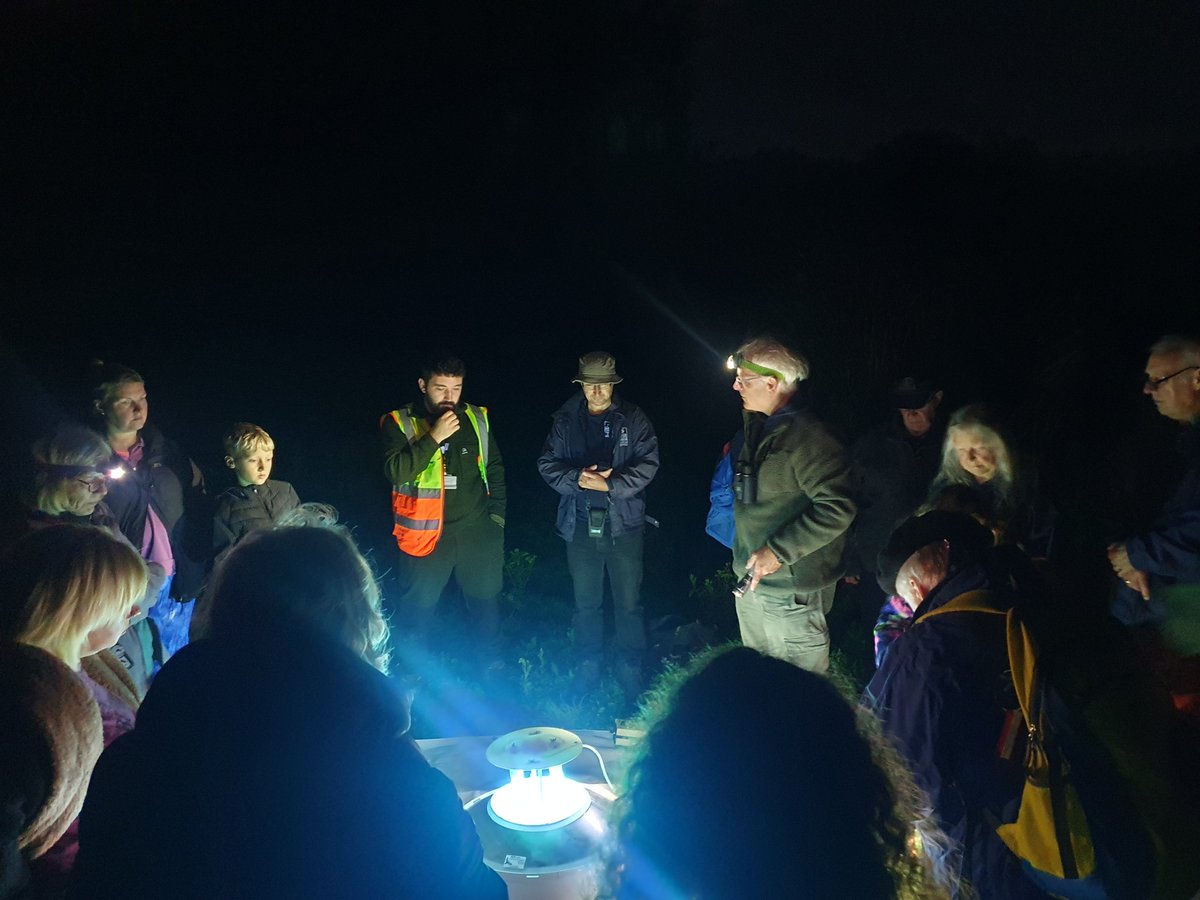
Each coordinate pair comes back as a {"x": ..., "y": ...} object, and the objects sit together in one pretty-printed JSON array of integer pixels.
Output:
[
  {"x": 419, "y": 524},
  {"x": 419, "y": 493},
  {"x": 413, "y": 431},
  {"x": 417, "y": 505},
  {"x": 478, "y": 416}
]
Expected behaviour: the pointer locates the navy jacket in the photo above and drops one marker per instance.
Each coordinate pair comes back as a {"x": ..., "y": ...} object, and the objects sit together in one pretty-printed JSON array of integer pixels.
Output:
[
  {"x": 163, "y": 480},
  {"x": 1169, "y": 552},
  {"x": 634, "y": 463},
  {"x": 941, "y": 695}
]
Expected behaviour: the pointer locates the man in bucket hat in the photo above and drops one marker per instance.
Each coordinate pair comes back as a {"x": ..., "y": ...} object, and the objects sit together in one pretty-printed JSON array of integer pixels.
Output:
[{"x": 600, "y": 455}]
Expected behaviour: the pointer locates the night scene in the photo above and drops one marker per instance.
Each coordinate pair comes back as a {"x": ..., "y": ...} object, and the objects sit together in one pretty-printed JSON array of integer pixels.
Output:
[{"x": 641, "y": 450}]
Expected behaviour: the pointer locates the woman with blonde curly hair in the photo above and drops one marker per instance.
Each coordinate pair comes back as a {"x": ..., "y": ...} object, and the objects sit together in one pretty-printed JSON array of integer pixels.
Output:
[
  {"x": 66, "y": 594},
  {"x": 759, "y": 779},
  {"x": 302, "y": 780}
]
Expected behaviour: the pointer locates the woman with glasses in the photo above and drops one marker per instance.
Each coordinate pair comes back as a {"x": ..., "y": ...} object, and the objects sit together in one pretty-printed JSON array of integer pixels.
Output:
[{"x": 72, "y": 471}]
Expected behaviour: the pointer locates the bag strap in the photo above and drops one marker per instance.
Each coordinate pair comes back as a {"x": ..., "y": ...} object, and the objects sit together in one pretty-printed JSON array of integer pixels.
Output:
[
  {"x": 971, "y": 601},
  {"x": 1022, "y": 651}
]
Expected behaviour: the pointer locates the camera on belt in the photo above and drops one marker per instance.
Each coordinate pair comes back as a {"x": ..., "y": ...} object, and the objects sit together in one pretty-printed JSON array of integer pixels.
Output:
[{"x": 595, "y": 521}]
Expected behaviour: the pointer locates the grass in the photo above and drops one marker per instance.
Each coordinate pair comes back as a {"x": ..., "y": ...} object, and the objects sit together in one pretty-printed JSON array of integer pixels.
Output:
[{"x": 540, "y": 683}]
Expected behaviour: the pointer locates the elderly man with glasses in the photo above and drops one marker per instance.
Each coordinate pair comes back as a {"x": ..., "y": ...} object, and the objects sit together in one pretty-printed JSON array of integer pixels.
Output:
[
  {"x": 791, "y": 510},
  {"x": 1169, "y": 552}
]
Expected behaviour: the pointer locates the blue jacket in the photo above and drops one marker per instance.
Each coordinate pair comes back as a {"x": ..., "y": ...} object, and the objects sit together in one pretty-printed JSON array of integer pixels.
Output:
[
  {"x": 720, "y": 524},
  {"x": 1169, "y": 552},
  {"x": 634, "y": 464}
]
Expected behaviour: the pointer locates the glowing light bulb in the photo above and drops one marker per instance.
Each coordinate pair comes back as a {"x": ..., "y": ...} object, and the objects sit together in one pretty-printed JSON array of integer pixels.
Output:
[{"x": 538, "y": 796}]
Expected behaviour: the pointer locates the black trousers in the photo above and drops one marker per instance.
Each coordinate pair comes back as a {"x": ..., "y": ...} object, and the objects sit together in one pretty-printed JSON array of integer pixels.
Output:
[
  {"x": 474, "y": 555},
  {"x": 588, "y": 558}
]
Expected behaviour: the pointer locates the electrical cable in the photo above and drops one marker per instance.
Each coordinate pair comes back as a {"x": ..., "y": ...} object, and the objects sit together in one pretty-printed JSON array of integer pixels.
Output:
[{"x": 603, "y": 768}]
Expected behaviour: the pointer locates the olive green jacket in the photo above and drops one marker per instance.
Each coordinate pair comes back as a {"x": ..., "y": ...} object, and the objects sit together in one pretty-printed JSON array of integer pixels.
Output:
[{"x": 803, "y": 506}]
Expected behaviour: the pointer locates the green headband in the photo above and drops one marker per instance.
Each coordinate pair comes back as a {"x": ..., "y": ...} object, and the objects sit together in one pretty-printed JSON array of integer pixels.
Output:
[{"x": 739, "y": 361}]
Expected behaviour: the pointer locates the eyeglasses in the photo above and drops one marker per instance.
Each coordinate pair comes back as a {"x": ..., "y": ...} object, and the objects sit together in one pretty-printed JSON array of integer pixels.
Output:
[
  {"x": 94, "y": 483},
  {"x": 1153, "y": 384},
  {"x": 743, "y": 380}
]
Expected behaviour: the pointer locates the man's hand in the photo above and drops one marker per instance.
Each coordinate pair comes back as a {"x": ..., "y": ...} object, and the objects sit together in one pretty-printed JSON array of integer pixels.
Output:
[
  {"x": 1140, "y": 582},
  {"x": 594, "y": 479},
  {"x": 445, "y": 426},
  {"x": 1118, "y": 558},
  {"x": 762, "y": 561}
]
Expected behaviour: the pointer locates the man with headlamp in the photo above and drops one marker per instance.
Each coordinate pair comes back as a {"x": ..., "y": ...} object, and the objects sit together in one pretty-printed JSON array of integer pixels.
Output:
[{"x": 792, "y": 508}]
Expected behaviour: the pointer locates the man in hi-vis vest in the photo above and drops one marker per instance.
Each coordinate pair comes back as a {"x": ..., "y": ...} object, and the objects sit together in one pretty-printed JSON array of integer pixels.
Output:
[{"x": 447, "y": 503}]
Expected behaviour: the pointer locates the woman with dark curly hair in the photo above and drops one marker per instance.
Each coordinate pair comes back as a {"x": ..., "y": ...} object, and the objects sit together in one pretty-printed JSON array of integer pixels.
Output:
[{"x": 758, "y": 779}]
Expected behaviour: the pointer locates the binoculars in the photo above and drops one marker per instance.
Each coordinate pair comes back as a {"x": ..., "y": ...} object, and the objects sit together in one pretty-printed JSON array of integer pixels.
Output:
[{"x": 745, "y": 487}]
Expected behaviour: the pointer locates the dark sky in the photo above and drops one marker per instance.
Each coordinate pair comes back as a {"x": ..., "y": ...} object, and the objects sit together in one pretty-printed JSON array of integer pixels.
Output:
[
  {"x": 834, "y": 79},
  {"x": 274, "y": 212}
]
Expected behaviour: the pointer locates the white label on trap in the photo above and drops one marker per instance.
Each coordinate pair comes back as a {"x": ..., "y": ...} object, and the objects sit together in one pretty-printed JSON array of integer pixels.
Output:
[{"x": 514, "y": 862}]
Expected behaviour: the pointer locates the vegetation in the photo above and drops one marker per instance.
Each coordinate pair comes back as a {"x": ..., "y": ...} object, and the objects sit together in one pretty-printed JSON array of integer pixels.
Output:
[{"x": 541, "y": 681}]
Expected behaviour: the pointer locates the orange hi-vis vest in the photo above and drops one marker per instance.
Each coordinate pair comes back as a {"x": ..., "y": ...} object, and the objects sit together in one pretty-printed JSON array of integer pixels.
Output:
[{"x": 417, "y": 505}]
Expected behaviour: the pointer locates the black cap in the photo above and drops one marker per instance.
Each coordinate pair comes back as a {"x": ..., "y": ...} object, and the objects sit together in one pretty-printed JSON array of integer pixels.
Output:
[
  {"x": 912, "y": 393},
  {"x": 969, "y": 541}
]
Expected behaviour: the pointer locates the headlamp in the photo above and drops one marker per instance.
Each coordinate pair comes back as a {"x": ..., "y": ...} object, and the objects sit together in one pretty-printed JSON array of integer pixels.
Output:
[{"x": 737, "y": 361}]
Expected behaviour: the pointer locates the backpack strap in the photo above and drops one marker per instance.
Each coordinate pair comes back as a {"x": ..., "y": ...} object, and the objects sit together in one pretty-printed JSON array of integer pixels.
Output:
[
  {"x": 1051, "y": 832},
  {"x": 971, "y": 601},
  {"x": 1022, "y": 651},
  {"x": 1022, "y": 658}
]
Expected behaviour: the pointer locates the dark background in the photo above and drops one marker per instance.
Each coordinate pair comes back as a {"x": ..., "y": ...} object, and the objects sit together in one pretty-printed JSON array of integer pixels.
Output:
[{"x": 275, "y": 213}]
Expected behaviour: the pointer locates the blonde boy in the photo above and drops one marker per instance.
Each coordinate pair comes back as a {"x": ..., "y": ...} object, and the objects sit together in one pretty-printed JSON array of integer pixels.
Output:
[{"x": 257, "y": 500}]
